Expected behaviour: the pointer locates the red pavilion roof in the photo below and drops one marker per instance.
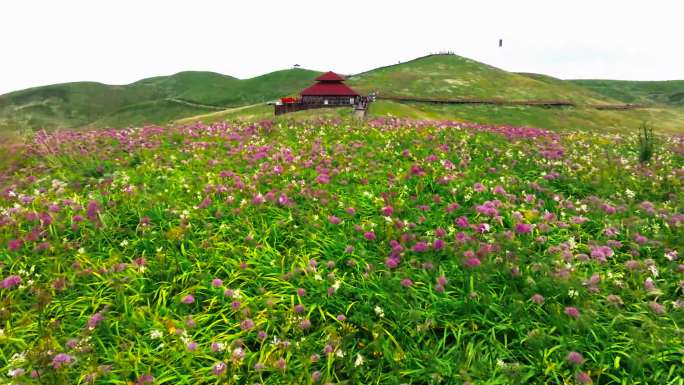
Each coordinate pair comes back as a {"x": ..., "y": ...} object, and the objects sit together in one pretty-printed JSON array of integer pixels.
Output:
[
  {"x": 329, "y": 89},
  {"x": 330, "y": 77}
]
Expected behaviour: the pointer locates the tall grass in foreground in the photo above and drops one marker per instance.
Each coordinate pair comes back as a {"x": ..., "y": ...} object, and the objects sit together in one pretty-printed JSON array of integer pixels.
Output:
[{"x": 331, "y": 252}]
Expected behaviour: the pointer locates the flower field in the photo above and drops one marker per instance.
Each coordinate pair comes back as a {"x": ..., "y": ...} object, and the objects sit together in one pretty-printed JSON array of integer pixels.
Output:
[{"x": 332, "y": 252}]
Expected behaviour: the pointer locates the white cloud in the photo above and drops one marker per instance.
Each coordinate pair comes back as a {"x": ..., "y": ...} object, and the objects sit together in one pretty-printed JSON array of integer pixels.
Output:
[{"x": 46, "y": 42}]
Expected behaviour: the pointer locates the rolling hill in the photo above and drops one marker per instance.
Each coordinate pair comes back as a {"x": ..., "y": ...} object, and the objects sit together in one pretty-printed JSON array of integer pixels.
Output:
[
  {"x": 670, "y": 92},
  {"x": 452, "y": 76},
  {"x": 154, "y": 100},
  {"x": 208, "y": 96}
]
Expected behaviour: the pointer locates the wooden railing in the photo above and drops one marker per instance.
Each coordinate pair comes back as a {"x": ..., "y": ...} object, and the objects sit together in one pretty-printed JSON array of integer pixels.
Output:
[
  {"x": 361, "y": 103},
  {"x": 501, "y": 102}
]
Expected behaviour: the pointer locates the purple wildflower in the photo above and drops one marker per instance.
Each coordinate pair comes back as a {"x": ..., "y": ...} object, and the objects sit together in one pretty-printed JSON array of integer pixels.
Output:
[
  {"x": 472, "y": 262},
  {"x": 572, "y": 312},
  {"x": 10, "y": 282},
  {"x": 188, "y": 299},
  {"x": 305, "y": 324},
  {"x": 14, "y": 244},
  {"x": 334, "y": 220},
  {"x": 219, "y": 368},
  {"x": 523, "y": 228},
  {"x": 247, "y": 324},
  {"x": 583, "y": 378},
  {"x": 61, "y": 359},
  {"x": 95, "y": 319},
  {"x": 438, "y": 244},
  {"x": 281, "y": 364},
  {"x": 657, "y": 308},
  {"x": 420, "y": 247},
  {"x": 575, "y": 358},
  {"x": 538, "y": 298},
  {"x": 145, "y": 379}
]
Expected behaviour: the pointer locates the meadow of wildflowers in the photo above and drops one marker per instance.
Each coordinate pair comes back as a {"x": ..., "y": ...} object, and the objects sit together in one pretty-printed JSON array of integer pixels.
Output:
[{"x": 333, "y": 252}]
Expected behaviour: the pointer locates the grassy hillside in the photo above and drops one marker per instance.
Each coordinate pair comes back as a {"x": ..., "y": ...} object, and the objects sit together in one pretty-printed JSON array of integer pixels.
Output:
[
  {"x": 155, "y": 100},
  {"x": 452, "y": 76},
  {"x": 664, "y": 120},
  {"x": 669, "y": 92},
  {"x": 257, "y": 112}
]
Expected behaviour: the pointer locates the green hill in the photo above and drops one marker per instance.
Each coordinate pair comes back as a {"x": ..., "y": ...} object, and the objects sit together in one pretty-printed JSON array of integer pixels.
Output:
[
  {"x": 154, "y": 100},
  {"x": 209, "y": 96},
  {"x": 670, "y": 92},
  {"x": 452, "y": 76}
]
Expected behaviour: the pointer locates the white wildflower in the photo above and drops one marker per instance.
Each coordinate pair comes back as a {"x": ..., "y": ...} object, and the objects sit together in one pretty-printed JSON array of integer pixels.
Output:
[
  {"x": 17, "y": 359},
  {"x": 156, "y": 334},
  {"x": 572, "y": 293},
  {"x": 379, "y": 311},
  {"x": 671, "y": 255},
  {"x": 15, "y": 372},
  {"x": 359, "y": 360},
  {"x": 653, "y": 270}
]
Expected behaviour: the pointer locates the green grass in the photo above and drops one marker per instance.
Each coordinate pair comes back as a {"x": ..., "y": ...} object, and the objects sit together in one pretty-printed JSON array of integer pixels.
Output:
[
  {"x": 664, "y": 120},
  {"x": 639, "y": 92},
  {"x": 265, "y": 112},
  {"x": 461, "y": 260},
  {"x": 452, "y": 76}
]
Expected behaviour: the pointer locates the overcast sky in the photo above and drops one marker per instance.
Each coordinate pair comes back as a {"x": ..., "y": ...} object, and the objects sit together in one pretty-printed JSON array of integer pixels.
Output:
[{"x": 118, "y": 42}]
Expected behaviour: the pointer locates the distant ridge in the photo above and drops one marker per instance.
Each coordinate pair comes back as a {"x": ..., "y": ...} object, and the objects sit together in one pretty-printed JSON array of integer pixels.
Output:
[{"x": 441, "y": 76}]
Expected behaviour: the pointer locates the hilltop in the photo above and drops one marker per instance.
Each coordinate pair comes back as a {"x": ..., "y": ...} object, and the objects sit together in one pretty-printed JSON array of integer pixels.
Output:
[{"x": 453, "y": 76}]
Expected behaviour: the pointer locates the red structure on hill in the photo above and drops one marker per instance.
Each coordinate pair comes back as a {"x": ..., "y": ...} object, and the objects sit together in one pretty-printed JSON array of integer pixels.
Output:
[{"x": 329, "y": 90}]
